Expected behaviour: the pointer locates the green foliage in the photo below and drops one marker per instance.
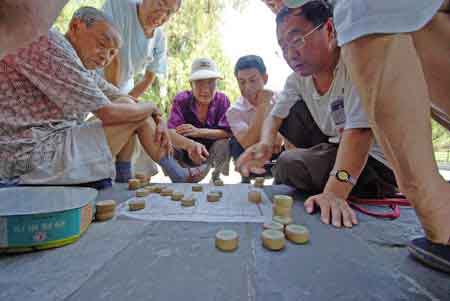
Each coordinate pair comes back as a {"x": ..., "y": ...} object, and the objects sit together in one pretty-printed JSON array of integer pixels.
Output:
[
  {"x": 441, "y": 136},
  {"x": 192, "y": 33},
  {"x": 62, "y": 22}
]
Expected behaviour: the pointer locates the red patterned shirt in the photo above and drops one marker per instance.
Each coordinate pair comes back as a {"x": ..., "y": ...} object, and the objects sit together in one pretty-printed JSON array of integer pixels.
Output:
[{"x": 44, "y": 90}]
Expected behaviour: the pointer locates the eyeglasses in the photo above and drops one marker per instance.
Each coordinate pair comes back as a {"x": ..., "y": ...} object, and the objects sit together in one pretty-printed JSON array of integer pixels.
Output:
[{"x": 299, "y": 42}]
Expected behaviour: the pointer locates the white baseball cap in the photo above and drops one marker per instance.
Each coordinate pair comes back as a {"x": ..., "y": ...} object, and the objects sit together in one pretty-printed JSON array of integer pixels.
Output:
[{"x": 204, "y": 68}]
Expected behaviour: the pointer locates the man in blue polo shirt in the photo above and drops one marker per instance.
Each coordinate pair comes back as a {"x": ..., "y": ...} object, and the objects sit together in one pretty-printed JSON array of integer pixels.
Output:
[{"x": 143, "y": 51}]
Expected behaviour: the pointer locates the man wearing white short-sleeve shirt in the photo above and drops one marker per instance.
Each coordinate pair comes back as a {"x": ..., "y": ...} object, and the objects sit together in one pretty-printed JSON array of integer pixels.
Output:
[
  {"x": 144, "y": 51},
  {"x": 319, "y": 112},
  {"x": 247, "y": 114}
]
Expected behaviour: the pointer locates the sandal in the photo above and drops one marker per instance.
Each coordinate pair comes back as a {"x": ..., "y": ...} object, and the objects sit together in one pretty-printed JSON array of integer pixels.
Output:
[
  {"x": 196, "y": 174},
  {"x": 434, "y": 255}
]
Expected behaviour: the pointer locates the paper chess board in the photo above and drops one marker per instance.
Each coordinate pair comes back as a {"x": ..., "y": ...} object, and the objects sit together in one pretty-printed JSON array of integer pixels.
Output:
[{"x": 233, "y": 206}]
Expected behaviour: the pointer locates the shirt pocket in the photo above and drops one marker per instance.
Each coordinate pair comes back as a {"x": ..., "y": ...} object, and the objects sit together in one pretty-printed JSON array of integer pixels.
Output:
[{"x": 337, "y": 110}]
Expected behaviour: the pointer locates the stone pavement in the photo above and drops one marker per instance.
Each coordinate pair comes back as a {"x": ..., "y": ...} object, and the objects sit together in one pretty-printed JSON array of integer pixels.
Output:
[{"x": 133, "y": 260}]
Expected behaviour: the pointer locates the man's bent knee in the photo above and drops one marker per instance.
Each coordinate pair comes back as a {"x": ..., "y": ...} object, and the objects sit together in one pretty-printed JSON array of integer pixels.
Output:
[
  {"x": 119, "y": 135},
  {"x": 221, "y": 143},
  {"x": 291, "y": 170}
]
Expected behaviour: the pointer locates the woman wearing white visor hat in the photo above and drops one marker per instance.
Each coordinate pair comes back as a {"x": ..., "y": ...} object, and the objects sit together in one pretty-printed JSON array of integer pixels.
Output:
[{"x": 197, "y": 122}]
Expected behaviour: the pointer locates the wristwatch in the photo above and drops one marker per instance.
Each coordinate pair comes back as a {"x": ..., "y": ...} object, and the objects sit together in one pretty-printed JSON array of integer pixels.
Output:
[{"x": 343, "y": 176}]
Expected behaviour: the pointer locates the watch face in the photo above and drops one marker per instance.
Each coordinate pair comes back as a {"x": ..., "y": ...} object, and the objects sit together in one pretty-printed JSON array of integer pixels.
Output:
[{"x": 343, "y": 176}]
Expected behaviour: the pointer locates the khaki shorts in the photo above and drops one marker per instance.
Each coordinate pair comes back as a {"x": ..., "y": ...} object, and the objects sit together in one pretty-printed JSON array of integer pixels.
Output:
[{"x": 82, "y": 156}]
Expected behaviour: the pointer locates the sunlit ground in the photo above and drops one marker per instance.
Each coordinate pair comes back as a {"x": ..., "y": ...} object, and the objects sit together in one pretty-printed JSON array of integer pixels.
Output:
[{"x": 235, "y": 177}]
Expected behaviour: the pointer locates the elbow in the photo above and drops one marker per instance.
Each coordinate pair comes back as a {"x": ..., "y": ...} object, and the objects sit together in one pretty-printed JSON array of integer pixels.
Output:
[
  {"x": 228, "y": 135},
  {"x": 223, "y": 135},
  {"x": 106, "y": 114}
]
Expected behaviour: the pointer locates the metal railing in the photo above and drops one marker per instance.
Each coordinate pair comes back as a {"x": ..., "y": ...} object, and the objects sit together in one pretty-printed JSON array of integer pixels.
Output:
[{"x": 442, "y": 156}]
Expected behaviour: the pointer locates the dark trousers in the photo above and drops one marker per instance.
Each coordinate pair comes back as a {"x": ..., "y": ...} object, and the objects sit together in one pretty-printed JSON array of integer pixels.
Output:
[
  {"x": 308, "y": 166},
  {"x": 236, "y": 149}
]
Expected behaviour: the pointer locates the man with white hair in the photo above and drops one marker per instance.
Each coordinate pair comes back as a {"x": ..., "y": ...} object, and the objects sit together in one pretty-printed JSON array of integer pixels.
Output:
[
  {"x": 198, "y": 124},
  {"x": 46, "y": 91}
]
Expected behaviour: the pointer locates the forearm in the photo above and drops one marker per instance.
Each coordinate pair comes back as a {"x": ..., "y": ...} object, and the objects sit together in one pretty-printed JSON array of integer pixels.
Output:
[
  {"x": 213, "y": 134},
  {"x": 112, "y": 72},
  {"x": 119, "y": 113},
  {"x": 253, "y": 133},
  {"x": 270, "y": 129},
  {"x": 142, "y": 85},
  {"x": 352, "y": 157},
  {"x": 247, "y": 139},
  {"x": 179, "y": 141}
]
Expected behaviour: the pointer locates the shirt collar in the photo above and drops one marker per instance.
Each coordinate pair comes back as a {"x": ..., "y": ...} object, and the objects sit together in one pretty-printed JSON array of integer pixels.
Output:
[
  {"x": 316, "y": 96},
  {"x": 243, "y": 104}
]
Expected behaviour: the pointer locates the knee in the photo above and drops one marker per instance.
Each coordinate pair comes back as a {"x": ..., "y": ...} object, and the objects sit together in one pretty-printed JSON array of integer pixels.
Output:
[
  {"x": 291, "y": 169},
  {"x": 145, "y": 125},
  {"x": 284, "y": 166},
  {"x": 222, "y": 143},
  {"x": 221, "y": 146}
]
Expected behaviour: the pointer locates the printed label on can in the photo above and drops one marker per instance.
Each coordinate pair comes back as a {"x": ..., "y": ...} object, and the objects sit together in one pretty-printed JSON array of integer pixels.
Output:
[{"x": 25, "y": 231}]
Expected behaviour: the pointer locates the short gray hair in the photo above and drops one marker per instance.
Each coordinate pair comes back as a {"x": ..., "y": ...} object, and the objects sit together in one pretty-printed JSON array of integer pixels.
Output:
[{"x": 89, "y": 15}]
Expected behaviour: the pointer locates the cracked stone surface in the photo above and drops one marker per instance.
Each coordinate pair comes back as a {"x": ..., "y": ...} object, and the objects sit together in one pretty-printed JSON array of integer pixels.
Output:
[{"x": 135, "y": 260}]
